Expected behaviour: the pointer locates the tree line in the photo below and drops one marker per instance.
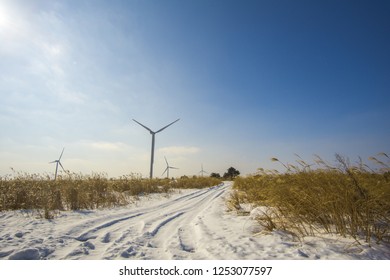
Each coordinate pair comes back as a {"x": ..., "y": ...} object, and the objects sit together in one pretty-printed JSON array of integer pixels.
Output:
[{"x": 230, "y": 174}]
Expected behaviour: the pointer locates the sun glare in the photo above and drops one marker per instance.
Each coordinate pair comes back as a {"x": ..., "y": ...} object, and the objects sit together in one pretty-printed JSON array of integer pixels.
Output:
[
  {"x": 3, "y": 18},
  {"x": 8, "y": 25}
]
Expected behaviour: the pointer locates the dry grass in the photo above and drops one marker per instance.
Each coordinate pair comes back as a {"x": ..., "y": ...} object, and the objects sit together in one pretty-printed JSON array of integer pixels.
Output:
[
  {"x": 77, "y": 191},
  {"x": 306, "y": 200},
  {"x": 194, "y": 182}
]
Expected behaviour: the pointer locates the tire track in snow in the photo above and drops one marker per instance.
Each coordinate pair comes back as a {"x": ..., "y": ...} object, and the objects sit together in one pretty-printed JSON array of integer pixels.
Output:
[
  {"x": 175, "y": 240},
  {"x": 165, "y": 217},
  {"x": 90, "y": 234},
  {"x": 160, "y": 236}
]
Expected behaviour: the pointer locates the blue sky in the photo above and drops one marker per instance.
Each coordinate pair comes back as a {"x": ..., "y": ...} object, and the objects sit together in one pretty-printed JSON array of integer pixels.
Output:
[{"x": 250, "y": 80}]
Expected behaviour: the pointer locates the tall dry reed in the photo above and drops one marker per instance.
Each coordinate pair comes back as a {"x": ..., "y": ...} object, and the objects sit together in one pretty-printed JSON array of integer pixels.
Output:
[{"x": 307, "y": 199}]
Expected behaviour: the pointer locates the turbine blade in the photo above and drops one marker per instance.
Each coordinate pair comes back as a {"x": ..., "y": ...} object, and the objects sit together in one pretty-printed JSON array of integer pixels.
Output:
[
  {"x": 164, "y": 171},
  {"x": 167, "y": 126},
  {"x": 166, "y": 161},
  {"x": 147, "y": 128},
  {"x": 62, "y": 153},
  {"x": 54, "y": 161},
  {"x": 62, "y": 166},
  {"x": 171, "y": 167}
]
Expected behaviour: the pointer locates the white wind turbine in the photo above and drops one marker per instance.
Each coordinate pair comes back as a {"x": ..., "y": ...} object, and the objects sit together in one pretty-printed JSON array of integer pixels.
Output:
[
  {"x": 58, "y": 162},
  {"x": 153, "y": 136},
  {"x": 202, "y": 171},
  {"x": 168, "y": 167}
]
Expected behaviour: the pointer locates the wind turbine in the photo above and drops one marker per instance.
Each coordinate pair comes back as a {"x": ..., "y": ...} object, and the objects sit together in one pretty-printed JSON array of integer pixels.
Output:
[
  {"x": 153, "y": 136},
  {"x": 58, "y": 162},
  {"x": 168, "y": 167},
  {"x": 202, "y": 171}
]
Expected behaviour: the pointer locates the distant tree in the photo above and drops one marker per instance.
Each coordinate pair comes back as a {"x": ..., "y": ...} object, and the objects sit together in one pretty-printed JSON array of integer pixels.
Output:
[
  {"x": 215, "y": 175},
  {"x": 231, "y": 173}
]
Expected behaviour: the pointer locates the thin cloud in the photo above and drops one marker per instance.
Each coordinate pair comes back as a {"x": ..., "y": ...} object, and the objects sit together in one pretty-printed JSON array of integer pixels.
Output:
[
  {"x": 179, "y": 150},
  {"x": 108, "y": 146}
]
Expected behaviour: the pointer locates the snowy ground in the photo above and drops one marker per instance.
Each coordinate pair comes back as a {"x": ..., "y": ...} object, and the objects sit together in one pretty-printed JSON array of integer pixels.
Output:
[{"x": 190, "y": 225}]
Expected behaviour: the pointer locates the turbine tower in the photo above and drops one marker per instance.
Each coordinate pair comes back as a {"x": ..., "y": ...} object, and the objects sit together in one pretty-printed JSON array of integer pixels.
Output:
[
  {"x": 153, "y": 136},
  {"x": 168, "y": 167},
  {"x": 202, "y": 171},
  {"x": 58, "y": 162}
]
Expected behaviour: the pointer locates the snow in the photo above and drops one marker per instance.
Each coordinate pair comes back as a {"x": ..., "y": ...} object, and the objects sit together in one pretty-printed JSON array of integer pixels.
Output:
[{"x": 184, "y": 225}]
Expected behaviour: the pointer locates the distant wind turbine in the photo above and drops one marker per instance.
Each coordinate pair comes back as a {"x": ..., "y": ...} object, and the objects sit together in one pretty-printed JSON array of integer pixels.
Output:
[
  {"x": 153, "y": 136},
  {"x": 168, "y": 167},
  {"x": 58, "y": 162},
  {"x": 202, "y": 171}
]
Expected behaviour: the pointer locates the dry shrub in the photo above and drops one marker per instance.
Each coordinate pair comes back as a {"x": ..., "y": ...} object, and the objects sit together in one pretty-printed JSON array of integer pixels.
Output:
[{"x": 343, "y": 199}]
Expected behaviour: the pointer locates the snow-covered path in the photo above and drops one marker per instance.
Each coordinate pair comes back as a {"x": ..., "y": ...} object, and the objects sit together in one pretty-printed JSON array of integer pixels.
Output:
[
  {"x": 173, "y": 229},
  {"x": 191, "y": 224}
]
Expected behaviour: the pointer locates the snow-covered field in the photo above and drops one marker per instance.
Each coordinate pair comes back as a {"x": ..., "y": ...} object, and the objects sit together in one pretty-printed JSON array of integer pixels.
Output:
[{"x": 185, "y": 225}]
